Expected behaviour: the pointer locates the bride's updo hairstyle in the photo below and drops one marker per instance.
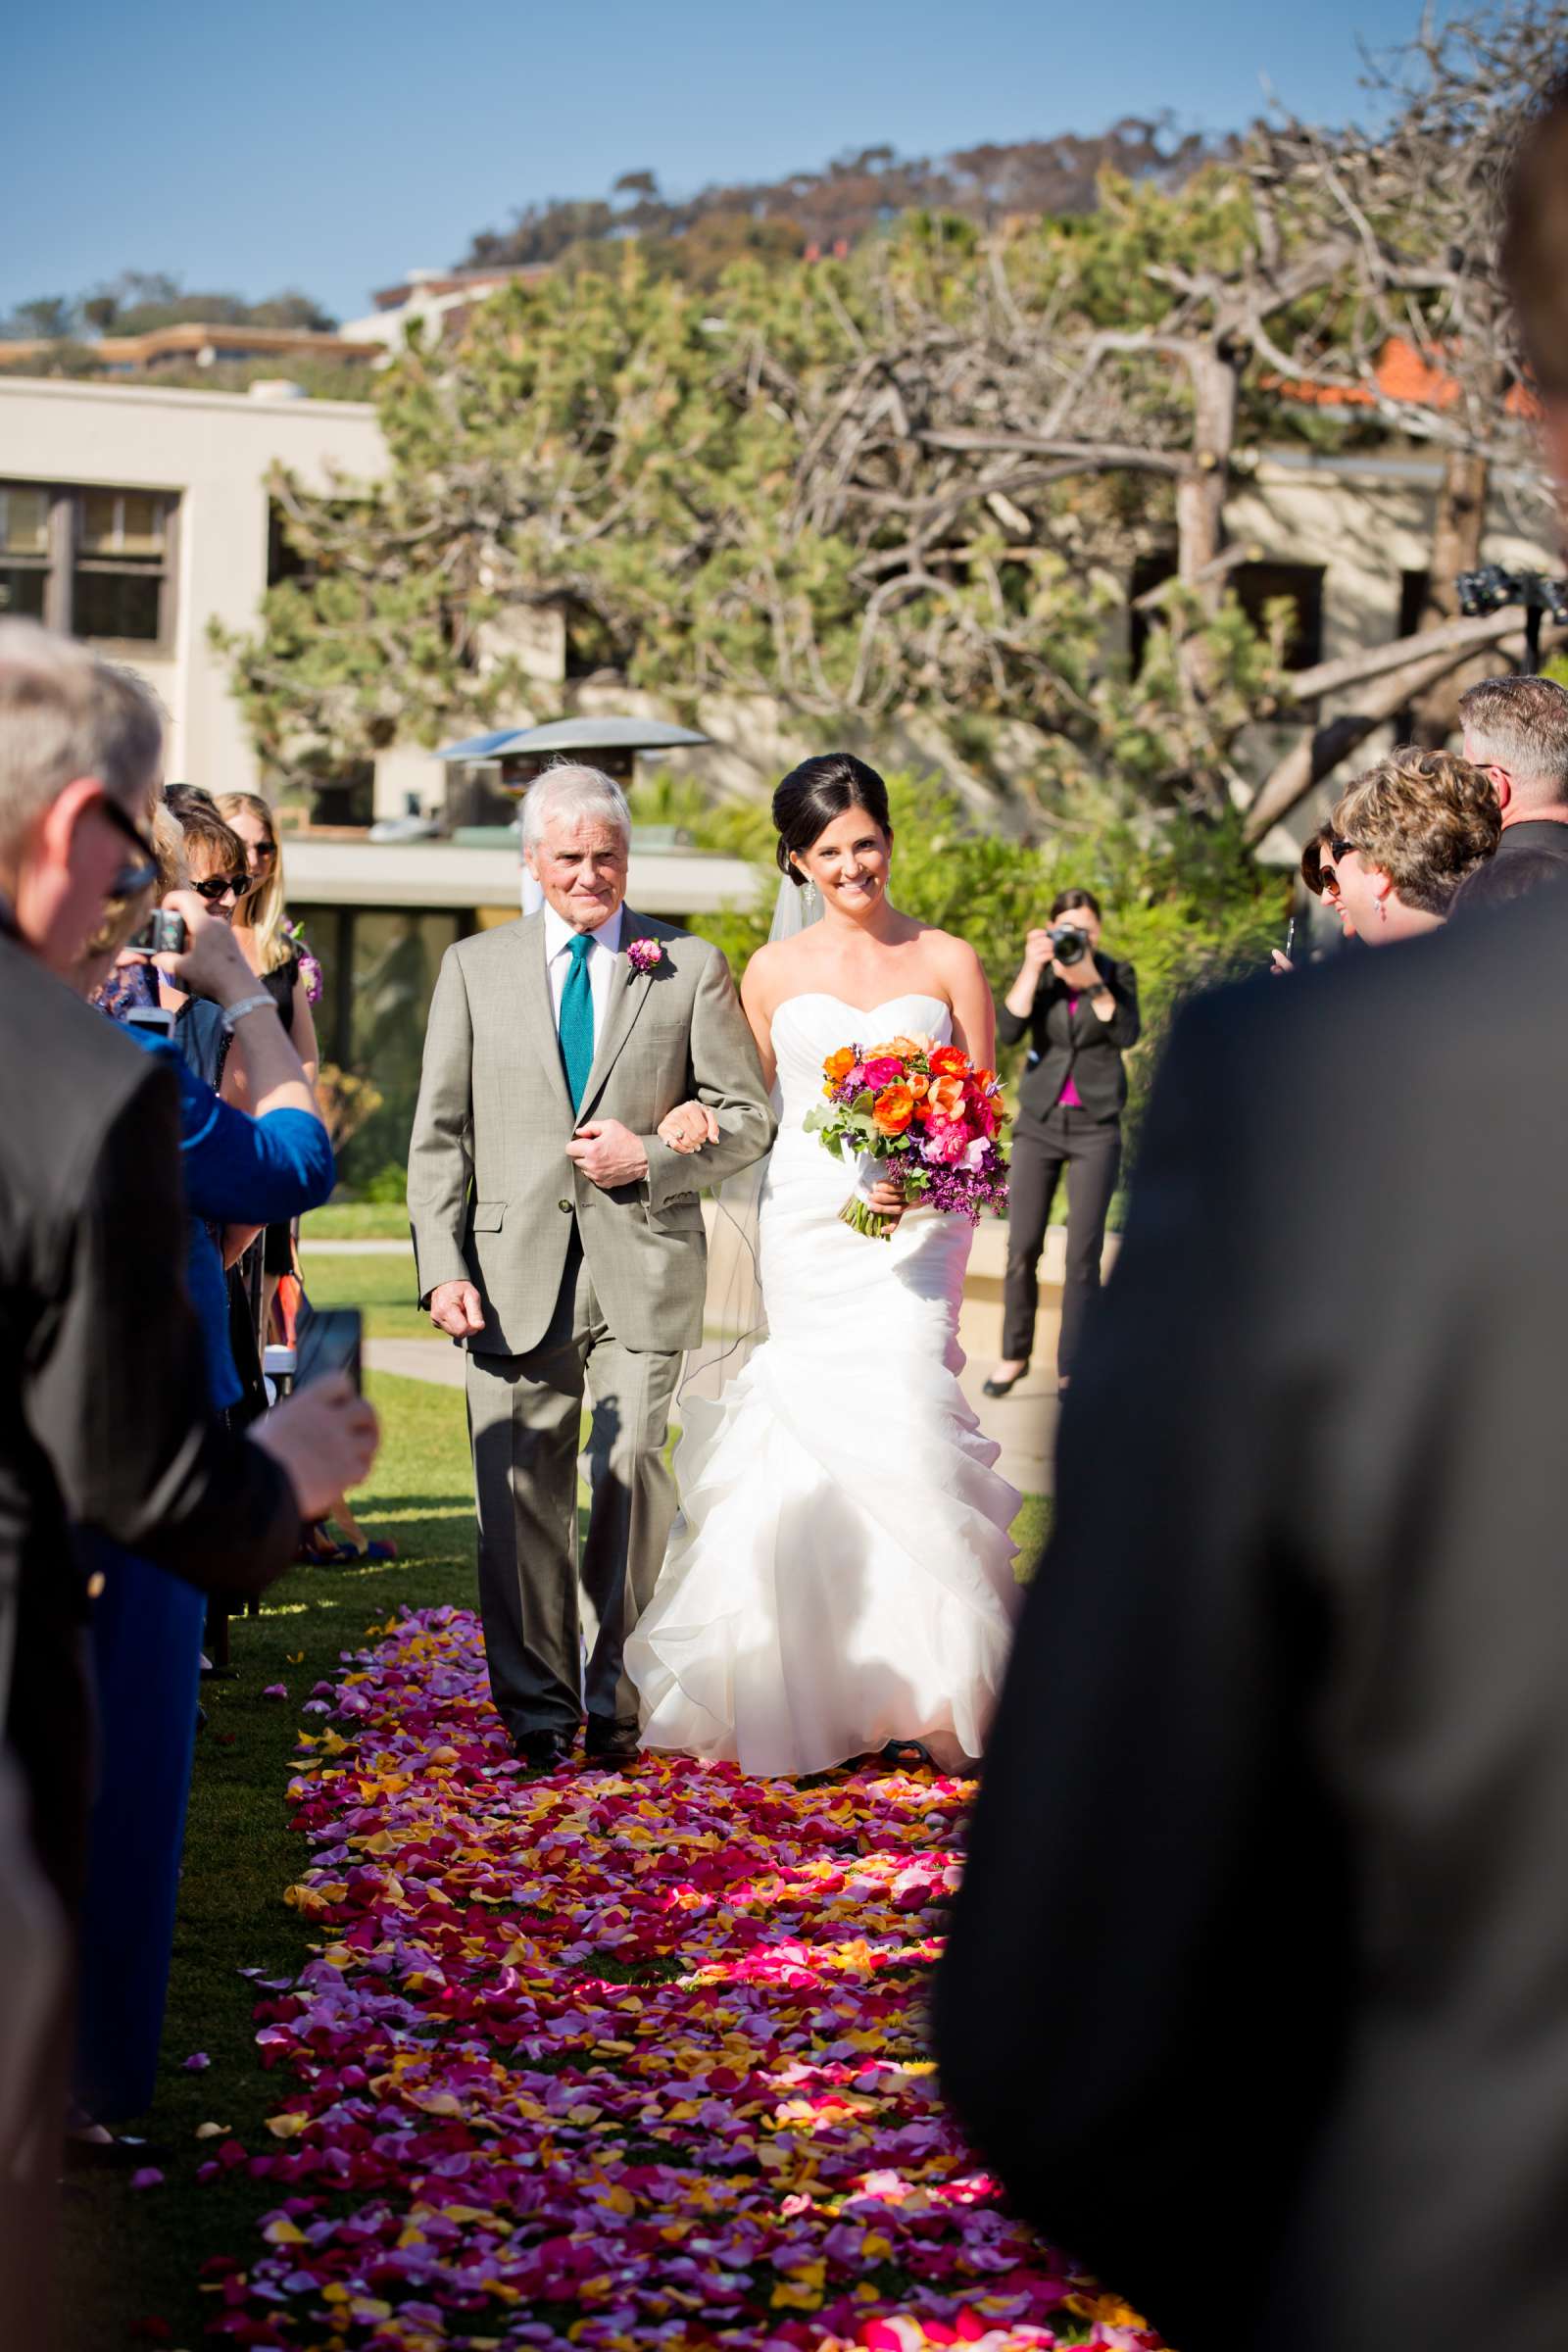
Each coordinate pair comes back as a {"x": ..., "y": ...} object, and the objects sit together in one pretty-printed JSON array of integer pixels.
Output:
[{"x": 814, "y": 793}]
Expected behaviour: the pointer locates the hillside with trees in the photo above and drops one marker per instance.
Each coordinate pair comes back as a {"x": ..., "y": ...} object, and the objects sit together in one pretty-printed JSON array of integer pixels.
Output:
[{"x": 833, "y": 210}]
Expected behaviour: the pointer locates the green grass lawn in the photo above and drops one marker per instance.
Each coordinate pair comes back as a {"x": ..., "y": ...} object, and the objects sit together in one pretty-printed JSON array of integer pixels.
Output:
[
  {"x": 134, "y": 2254},
  {"x": 381, "y": 1288},
  {"x": 358, "y": 1221}
]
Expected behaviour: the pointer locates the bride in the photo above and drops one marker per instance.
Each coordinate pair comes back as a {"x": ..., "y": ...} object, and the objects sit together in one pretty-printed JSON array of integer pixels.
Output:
[{"x": 840, "y": 1577}]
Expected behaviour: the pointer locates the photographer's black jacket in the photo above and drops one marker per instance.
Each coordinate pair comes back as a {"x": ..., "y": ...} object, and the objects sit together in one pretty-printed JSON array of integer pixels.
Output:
[{"x": 1076, "y": 1040}]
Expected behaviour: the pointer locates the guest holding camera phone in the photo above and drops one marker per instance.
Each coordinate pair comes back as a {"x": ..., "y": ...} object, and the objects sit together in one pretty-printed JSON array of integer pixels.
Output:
[
  {"x": 146, "y": 1628},
  {"x": 1079, "y": 1008}
]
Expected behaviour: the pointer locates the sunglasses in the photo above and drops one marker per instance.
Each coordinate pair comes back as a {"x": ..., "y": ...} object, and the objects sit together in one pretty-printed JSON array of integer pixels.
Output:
[
  {"x": 131, "y": 880},
  {"x": 1344, "y": 848},
  {"x": 263, "y": 849},
  {"x": 223, "y": 886}
]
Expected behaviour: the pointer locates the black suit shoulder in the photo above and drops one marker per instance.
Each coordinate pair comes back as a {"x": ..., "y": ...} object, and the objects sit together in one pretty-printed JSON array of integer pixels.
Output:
[{"x": 68, "y": 1077}]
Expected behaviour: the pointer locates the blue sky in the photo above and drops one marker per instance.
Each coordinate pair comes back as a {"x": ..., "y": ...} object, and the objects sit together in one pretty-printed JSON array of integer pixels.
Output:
[{"x": 332, "y": 144}]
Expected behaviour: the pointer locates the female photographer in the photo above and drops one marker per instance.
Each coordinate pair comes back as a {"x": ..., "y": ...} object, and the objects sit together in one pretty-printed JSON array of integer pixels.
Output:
[{"x": 1080, "y": 1011}]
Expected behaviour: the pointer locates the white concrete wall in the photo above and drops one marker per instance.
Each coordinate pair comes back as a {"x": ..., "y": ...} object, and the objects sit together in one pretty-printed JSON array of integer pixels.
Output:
[{"x": 214, "y": 450}]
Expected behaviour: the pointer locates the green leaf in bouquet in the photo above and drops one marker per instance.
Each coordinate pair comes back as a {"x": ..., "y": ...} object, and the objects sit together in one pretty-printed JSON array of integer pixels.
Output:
[{"x": 863, "y": 1100}]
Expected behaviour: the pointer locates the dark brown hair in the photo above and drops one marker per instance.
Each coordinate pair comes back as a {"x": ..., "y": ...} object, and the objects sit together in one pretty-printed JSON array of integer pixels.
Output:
[
  {"x": 1313, "y": 850},
  {"x": 814, "y": 793},
  {"x": 1070, "y": 902}
]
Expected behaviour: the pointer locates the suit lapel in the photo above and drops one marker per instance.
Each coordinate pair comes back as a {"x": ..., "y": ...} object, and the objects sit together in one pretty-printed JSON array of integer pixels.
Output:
[
  {"x": 537, "y": 1012},
  {"x": 628, "y": 994}
]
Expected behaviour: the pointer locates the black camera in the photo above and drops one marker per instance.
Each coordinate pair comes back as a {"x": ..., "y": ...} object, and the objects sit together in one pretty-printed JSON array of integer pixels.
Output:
[
  {"x": 164, "y": 933},
  {"x": 1069, "y": 944}
]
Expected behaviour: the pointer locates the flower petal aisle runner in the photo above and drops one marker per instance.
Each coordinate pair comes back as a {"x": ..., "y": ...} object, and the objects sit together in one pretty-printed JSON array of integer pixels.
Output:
[{"x": 618, "y": 2060}]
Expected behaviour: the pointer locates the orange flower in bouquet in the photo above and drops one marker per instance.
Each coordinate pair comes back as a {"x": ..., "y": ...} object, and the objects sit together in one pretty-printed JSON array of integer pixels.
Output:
[{"x": 892, "y": 1111}]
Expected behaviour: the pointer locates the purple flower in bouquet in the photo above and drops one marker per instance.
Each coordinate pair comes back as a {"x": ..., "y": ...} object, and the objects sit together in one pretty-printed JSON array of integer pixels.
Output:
[{"x": 644, "y": 954}]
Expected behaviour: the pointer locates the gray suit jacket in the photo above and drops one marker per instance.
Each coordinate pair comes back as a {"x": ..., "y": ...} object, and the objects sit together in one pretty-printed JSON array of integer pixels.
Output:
[{"x": 493, "y": 1197}]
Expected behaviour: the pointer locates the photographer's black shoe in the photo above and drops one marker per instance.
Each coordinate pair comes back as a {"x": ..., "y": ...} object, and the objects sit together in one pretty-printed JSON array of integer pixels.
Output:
[{"x": 1003, "y": 1387}]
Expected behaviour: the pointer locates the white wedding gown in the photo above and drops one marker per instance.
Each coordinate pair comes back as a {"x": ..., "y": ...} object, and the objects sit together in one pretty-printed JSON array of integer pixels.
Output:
[{"x": 841, "y": 1572}]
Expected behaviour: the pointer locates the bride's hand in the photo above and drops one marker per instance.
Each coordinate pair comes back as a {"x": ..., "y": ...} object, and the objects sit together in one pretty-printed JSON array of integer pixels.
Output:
[
  {"x": 887, "y": 1197},
  {"x": 688, "y": 1127}
]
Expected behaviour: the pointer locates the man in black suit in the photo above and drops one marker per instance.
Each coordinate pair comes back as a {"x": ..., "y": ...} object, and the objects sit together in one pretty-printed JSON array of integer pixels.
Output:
[
  {"x": 1516, "y": 731},
  {"x": 1257, "y": 1989},
  {"x": 104, "y": 1419}
]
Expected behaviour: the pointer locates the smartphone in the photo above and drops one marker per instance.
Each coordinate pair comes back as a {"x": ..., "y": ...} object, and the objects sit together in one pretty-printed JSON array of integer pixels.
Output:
[
  {"x": 329, "y": 1341},
  {"x": 156, "y": 1017},
  {"x": 1290, "y": 941}
]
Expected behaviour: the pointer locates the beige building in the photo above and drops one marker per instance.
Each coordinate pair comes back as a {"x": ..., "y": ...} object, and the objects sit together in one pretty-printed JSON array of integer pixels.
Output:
[{"x": 133, "y": 515}]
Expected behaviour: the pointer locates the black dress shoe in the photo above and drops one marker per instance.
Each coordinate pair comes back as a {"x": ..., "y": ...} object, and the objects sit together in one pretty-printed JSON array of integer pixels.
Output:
[
  {"x": 1003, "y": 1387},
  {"x": 610, "y": 1743},
  {"x": 541, "y": 1751}
]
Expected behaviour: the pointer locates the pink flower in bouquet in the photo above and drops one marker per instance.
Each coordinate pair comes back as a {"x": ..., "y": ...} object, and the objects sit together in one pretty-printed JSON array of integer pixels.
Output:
[
  {"x": 946, "y": 1142},
  {"x": 884, "y": 1069}
]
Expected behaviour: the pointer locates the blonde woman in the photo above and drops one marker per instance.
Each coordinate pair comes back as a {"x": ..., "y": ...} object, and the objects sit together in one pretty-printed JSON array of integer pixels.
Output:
[
  {"x": 274, "y": 956},
  {"x": 1405, "y": 835}
]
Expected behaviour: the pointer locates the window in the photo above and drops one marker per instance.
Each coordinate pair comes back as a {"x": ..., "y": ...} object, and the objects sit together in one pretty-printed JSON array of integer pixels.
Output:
[
  {"x": 24, "y": 549},
  {"x": 1149, "y": 572},
  {"x": 119, "y": 576},
  {"x": 1413, "y": 586},
  {"x": 92, "y": 563},
  {"x": 1259, "y": 585}
]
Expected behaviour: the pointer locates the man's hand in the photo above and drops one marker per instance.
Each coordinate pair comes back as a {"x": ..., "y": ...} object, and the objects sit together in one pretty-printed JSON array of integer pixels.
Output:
[
  {"x": 325, "y": 1439},
  {"x": 454, "y": 1308},
  {"x": 607, "y": 1153},
  {"x": 214, "y": 962},
  {"x": 688, "y": 1127}
]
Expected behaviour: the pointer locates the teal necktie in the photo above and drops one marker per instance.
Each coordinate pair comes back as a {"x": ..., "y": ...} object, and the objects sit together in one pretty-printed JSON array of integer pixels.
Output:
[{"x": 577, "y": 1021}]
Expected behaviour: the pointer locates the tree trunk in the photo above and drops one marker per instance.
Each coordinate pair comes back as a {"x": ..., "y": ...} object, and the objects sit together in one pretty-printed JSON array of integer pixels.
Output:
[
  {"x": 1200, "y": 491},
  {"x": 1456, "y": 546}
]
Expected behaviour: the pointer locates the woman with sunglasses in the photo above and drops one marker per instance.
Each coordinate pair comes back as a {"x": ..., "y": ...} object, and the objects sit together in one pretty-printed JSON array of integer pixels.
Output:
[
  {"x": 274, "y": 953},
  {"x": 1319, "y": 873},
  {"x": 214, "y": 869}
]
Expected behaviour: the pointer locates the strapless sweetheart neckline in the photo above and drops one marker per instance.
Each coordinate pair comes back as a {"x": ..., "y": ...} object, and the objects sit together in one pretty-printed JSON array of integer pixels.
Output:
[{"x": 861, "y": 1012}]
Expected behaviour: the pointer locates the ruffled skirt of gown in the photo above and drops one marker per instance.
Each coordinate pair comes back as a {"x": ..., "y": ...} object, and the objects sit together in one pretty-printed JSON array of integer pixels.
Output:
[{"x": 841, "y": 1572}]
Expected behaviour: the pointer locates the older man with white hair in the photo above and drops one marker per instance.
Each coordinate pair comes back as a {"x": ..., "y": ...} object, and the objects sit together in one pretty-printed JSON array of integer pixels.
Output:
[
  {"x": 1516, "y": 731},
  {"x": 560, "y": 1240}
]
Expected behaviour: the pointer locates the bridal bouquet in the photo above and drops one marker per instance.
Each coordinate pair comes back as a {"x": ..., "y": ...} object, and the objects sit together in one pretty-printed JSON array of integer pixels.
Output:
[{"x": 929, "y": 1113}]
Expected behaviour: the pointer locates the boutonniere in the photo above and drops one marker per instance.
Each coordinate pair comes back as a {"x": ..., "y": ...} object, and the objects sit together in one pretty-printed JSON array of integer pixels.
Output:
[{"x": 646, "y": 954}]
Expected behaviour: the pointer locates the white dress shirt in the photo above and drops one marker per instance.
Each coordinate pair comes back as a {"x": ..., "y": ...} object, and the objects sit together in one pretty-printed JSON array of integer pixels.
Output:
[{"x": 559, "y": 936}]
